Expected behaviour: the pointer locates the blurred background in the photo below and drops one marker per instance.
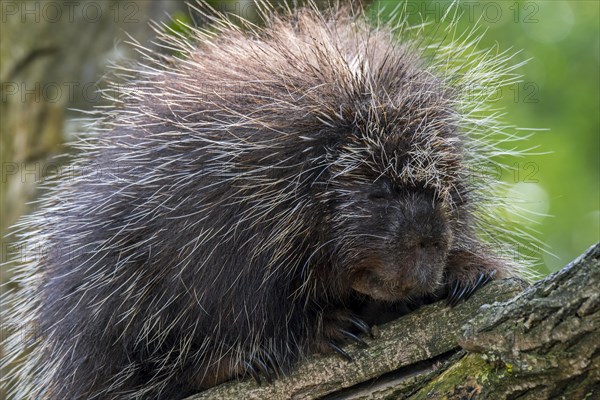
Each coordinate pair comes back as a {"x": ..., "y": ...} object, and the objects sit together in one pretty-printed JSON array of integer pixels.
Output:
[{"x": 56, "y": 56}]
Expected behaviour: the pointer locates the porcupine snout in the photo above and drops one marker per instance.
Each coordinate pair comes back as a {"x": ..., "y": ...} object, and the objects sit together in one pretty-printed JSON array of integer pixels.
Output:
[{"x": 411, "y": 261}]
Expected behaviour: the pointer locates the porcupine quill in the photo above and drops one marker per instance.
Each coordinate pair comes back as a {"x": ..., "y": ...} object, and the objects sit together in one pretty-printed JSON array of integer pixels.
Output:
[{"x": 255, "y": 186}]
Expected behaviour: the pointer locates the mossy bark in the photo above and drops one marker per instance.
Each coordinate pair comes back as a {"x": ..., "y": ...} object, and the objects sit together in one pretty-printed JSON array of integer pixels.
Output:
[{"x": 507, "y": 341}]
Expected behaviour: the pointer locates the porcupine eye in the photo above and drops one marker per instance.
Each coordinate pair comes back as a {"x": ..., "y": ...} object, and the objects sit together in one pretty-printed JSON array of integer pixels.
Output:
[{"x": 381, "y": 190}]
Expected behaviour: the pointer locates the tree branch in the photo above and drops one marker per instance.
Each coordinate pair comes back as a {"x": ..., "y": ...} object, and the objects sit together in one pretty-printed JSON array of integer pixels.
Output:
[{"x": 507, "y": 341}]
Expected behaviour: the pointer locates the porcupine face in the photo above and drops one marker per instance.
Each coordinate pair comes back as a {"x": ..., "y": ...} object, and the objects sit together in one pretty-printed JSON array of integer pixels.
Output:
[
  {"x": 400, "y": 239},
  {"x": 394, "y": 233}
]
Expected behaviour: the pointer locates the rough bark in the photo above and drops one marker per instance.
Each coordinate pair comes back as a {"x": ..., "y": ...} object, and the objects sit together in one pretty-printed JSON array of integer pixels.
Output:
[{"x": 508, "y": 341}]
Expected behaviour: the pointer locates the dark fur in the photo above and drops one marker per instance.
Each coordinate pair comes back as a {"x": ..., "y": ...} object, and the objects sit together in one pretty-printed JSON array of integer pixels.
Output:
[{"x": 189, "y": 261}]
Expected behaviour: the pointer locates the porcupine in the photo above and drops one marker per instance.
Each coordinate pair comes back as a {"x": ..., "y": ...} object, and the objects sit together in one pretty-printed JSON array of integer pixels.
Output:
[{"x": 254, "y": 187}]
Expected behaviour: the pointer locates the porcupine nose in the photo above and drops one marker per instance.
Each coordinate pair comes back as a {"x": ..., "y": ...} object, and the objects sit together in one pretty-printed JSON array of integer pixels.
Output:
[
  {"x": 427, "y": 222},
  {"x": 428, "y": 243},
  {"x": 426, "y": 257},
  {"x": 425, "y": 248},
  {"x": 425, "y": 237}
]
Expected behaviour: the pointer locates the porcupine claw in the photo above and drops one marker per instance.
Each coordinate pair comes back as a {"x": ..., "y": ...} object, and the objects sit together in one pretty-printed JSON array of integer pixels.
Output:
[
  {"x": 264, "y": 368},
  {"x": 354, "y": 338},
  {"x": 263, "y": 363},
  {"x": 462, "y": 291},
  {"x": 252, "y": 371},
  {"x": 360, "y": 325},
  {"x": 342, "y": 325},
  {"x": 483, "y": 279},
  {"x": 340, "y": 351},
  {"x": 273, "y": 365}
]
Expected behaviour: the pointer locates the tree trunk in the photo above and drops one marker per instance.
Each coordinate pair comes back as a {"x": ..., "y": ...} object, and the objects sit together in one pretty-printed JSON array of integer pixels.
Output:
[{"x": 507, "y": 341}]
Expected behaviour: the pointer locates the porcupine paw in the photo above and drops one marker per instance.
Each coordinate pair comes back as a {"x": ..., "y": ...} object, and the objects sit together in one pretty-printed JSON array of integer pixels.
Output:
[
  {"x": 461, "y": 288},
  {"x": 339, "y": 327},
  {"x": 263, "y": 363}
]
